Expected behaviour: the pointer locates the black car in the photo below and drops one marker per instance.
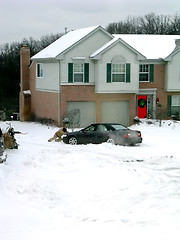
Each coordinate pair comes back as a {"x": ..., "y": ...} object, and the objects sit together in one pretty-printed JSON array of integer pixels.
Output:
[{"x": 105, "y": 132}]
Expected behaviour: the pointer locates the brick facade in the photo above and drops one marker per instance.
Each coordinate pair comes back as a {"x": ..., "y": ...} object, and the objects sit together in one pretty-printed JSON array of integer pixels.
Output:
[
  {"x": 158, "y": 83},
  {"x": 53, "y": 106},
  {"x": 44, "y": 105},
  {"x": 87, "y": 93}
]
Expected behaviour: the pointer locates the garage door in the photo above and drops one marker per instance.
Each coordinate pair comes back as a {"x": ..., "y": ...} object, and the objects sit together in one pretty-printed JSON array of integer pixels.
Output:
[
  {"x": 83, "y": 113},
  {"x": 115, "y": 112}
]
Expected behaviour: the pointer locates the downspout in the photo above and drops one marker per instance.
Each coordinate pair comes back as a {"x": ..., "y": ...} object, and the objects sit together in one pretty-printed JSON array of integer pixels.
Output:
[
  {"x": 59, "y": 94},
  {"x": 59, "y": 98},
  {"x": 154, "y": 104}
]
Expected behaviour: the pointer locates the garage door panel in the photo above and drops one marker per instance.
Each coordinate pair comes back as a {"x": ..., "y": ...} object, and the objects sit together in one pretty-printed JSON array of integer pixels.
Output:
[
  {"x": 115, "y": 111},
  {"x": 86, "y": 112}
]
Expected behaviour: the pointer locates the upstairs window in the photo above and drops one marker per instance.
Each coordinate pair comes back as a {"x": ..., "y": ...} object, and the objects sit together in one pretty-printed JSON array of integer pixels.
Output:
[
  {"x": 39, "y": 70},
  {"x": 78, "y": 72},
  {"x": 146, "y": 72},
  {"x": 118, "y": 72}
]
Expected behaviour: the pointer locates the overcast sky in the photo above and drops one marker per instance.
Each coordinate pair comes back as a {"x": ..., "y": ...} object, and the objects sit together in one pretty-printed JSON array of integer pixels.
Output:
[{"x": 35, "y": 18}]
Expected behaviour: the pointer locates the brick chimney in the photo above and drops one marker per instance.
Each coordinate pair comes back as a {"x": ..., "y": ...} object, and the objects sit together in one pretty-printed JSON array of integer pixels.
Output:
[
  {"x": 24, "y": 99},
  {"x": 24, "y": 68}
]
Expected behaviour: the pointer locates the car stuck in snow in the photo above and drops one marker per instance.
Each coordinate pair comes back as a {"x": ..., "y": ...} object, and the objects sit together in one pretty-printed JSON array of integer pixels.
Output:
[{"x": 105, "y": 132}]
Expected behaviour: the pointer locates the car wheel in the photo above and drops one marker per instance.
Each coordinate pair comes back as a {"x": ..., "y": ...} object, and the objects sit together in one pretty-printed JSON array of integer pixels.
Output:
[
  {"x": 110, "y": 140},
  {"x": 72, "y": 141}
]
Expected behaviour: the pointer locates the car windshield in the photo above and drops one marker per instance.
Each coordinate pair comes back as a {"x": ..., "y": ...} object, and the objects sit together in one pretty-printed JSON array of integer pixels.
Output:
[{"x": 118, "y": 127}]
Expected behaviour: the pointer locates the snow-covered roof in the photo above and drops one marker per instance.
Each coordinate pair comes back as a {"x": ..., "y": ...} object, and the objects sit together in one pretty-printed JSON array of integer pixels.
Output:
[
  {"x": 150, "y": 46},
  {"x": 63, "y": 43},
  {"x": 110, "y": 44}
]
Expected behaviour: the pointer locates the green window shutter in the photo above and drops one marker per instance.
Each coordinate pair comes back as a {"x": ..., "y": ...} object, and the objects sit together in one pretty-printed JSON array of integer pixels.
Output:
[
  {"x": 70, "y": 72},
  {"x": 86, "y": 72},
  {"x": 128, "y": 72},
  {"x": 108, "y": 79},
  {"x": 151, "y": 79},
  {"x": 169, "y": 105}
]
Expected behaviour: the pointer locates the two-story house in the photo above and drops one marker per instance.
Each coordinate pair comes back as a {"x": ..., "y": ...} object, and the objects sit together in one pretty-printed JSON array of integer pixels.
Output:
[{"x": 101, "y": 77}]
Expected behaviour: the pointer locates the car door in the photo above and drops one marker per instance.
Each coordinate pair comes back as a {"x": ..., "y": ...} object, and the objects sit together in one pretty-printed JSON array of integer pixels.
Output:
[
  {"x": 89, "y": 134},
  {"x": 101, "y": 134}
]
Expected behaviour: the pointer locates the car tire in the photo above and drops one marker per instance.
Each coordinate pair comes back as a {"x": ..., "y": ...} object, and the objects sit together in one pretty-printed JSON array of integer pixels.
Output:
[
  {"x": 72, "y": 141},
  {"x": 110, "y": 140}
]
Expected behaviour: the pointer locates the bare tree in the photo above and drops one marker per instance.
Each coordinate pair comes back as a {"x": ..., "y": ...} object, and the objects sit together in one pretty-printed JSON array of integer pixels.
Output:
[
  {"x": 73, "y": 118},
  {"x": 175, "y": 25},
  {"x": 148, "y": 24},
  {"x": 9, "y": 68}
]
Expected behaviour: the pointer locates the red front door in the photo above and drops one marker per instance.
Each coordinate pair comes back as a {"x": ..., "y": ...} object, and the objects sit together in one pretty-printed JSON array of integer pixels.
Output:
[{"x": 142, "y": 106}]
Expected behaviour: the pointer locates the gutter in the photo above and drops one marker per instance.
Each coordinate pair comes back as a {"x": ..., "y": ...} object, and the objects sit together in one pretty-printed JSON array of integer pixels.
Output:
[
  {"x": 59, "y": 94},
  {"x": 59, "y": 98}
]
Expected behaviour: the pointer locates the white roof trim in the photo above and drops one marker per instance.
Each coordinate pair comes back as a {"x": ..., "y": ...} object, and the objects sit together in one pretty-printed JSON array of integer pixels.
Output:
[
  {"x": 78, "y": 58},
  {"x": 111, "y": 43},
  {"x": 63, "y": 43},
  {"x": 169, "y": 58}
]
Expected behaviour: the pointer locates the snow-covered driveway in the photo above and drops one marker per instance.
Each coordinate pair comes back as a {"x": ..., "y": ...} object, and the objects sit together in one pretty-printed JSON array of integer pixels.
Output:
[{"x": 56, "y": 191}]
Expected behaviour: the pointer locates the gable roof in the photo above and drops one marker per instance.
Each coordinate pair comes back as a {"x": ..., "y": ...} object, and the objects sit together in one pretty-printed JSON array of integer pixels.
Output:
[
  {"x": 65, "y": 42},
  {"x": 108, "y": 45},
  {"x": 149, "y": 46},
  {"x": 176, "y": 50}
]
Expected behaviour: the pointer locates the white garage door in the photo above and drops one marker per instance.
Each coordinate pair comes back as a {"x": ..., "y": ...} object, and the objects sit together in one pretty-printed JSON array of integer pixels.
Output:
[
  {"x": 115, "y": 112},
  {"x": 85, "y": 112}
]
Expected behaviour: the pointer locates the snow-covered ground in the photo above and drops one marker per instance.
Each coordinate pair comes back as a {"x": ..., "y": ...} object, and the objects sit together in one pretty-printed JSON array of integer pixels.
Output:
[{"x": 57, "y": 191}]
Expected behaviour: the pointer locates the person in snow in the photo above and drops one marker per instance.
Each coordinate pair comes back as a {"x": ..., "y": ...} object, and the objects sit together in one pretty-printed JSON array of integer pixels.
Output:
[{"x": 57, "y": 136}]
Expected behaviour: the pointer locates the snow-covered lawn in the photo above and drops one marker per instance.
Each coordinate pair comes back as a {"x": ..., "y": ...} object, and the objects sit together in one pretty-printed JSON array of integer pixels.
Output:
[{"x": 59, "y": 192}]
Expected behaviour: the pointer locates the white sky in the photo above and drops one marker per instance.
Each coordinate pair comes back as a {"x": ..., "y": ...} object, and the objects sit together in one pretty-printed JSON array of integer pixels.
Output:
[{"x": 35, "y": 18}]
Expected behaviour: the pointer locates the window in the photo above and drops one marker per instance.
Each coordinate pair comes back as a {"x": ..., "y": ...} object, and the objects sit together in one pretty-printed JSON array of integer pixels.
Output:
[
  {"x": 78, "y": 72},
  {"x": 90, "y": 129},
  {"x": 175, "y": 100},
  {"x": 118, "y": 72},
  {"x": 175, "y": 105},
  {"x": 146, "y": 72},
  {"x": 39, "y": 70}
]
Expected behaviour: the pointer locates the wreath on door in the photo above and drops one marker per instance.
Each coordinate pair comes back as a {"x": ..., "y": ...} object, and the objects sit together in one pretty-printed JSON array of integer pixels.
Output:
[{"x": 142, "y": 102}]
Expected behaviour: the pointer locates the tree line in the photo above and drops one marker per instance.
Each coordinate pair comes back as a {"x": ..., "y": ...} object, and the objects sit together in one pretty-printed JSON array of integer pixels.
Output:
[
  {"x": 10, "y": 53},
  {"x": 148, "y": 24},
  {"x": 10, "y": 69}
]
